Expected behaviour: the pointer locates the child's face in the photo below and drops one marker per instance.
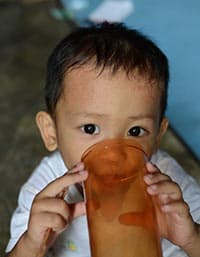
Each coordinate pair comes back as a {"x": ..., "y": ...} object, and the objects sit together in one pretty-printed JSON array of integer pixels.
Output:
[{"x": 95, "y": 107}]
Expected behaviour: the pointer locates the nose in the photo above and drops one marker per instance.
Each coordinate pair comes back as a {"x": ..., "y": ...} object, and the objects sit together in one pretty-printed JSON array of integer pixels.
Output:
[
  {"x": 116, "y": 133},
  {"x": 113, "y": 152}
]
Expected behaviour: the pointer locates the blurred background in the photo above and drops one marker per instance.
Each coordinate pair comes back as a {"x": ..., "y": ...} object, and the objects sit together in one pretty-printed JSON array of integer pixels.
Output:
[{"x": 28, "y": 32}]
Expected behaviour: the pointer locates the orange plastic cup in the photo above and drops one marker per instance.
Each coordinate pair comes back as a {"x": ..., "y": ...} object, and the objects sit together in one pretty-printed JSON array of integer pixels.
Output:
[{"x": 120, "y": 214}]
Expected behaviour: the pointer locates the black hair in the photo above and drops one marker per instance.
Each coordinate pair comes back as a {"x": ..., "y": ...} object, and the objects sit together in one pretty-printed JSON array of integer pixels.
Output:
[{"x": 110, "y": 45}]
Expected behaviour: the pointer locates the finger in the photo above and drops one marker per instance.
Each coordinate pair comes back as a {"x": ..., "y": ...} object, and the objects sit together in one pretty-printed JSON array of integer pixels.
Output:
[
  {"x": 169, "y": 188},
  {"x": 156, "y": 177},
  {"x": 59, "y": 206},
  {"x": 180, "y": 208},
  {"x": 78, "y": 167},
  {"x": 57, "y": 186},
  {"x": 151, "y": 167},
  {"x": 53, "y": 205},
  {"x": 78, "y": 209},
  {"x": 164, "y": 199},
  {"x": 39, "y": 223}
]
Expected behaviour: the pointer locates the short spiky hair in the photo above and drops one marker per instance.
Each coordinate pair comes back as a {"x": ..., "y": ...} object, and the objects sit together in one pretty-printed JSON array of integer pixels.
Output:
[{"x": 111, "y": 45}]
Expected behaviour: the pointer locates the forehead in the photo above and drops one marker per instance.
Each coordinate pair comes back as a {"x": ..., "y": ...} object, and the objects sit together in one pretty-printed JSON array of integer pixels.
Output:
[{"x": 87, "y": 86}]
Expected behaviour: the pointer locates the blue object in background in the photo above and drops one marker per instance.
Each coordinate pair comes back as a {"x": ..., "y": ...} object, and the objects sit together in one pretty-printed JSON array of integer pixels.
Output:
[
  {"x": 79, "y": 10},
  {"x": 175, "y": 27}
]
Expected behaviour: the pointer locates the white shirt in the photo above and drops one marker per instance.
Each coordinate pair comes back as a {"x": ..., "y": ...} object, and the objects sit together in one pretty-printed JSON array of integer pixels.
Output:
[{"x": 73, "y": 242}]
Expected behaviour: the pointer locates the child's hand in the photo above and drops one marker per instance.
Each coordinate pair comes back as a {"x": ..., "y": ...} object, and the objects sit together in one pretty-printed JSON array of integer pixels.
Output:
[
  {"x": 51, "y": 212},
  {"x": 174, "y": 219}
]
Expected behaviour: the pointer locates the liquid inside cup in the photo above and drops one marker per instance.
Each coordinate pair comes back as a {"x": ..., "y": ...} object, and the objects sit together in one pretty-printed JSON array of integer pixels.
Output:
[{"x": 120, "y": 214}]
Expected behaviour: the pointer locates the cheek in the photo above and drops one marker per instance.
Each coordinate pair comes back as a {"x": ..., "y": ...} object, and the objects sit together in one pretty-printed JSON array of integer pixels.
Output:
[
  {"x": 149, "y": 150},
  {"x": 71, "y": 154},
  {"x": 149, "y": 145},
  {"x": 69, "y": 146}
]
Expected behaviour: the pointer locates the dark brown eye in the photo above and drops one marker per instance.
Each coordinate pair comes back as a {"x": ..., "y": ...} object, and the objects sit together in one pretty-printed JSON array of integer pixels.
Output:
[
  {"x": 136, "y": 131},
  {"x": 91, "y": 129}
]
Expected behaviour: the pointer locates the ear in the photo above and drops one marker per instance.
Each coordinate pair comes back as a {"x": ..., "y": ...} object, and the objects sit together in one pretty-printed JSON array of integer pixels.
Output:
[
  {"x": 47, "y": 130},
  {"x": 162, "y": 130}
]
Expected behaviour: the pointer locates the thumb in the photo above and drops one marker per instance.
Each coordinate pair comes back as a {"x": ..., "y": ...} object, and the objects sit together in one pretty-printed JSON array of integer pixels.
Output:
[
  {"x": 151, "y": 167},
  {"x": 78, "y": 209}
]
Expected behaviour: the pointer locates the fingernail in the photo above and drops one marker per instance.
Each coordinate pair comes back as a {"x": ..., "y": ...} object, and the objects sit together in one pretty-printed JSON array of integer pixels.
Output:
[
  {"x": 83, "y": 173},
  {"x": 165, "y": 208},
  {"x": 80, "y": 165},
  {"x": 152, "y": 189},
  {"x": 148, "y": 177}
]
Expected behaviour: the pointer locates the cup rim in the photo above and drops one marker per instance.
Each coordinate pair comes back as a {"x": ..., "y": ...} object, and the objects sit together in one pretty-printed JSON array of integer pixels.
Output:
[{"x": 107, "y": 142}]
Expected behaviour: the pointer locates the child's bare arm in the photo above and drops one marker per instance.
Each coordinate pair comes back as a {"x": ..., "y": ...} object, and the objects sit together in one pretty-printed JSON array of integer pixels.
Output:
[
  {"x": 49, "y": 213},
  {"x": 174, "y": 219}
]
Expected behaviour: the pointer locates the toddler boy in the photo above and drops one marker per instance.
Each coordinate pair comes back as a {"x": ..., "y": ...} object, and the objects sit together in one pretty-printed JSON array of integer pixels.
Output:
[{"x": 104, "y": 81}]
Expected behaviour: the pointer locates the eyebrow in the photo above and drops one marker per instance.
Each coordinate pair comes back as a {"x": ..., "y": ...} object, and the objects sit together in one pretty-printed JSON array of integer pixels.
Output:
[
  {"x": 100, "y": 115},
  {"x": 88, "y": 114},
  {"x": 139, "y": 117}
]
